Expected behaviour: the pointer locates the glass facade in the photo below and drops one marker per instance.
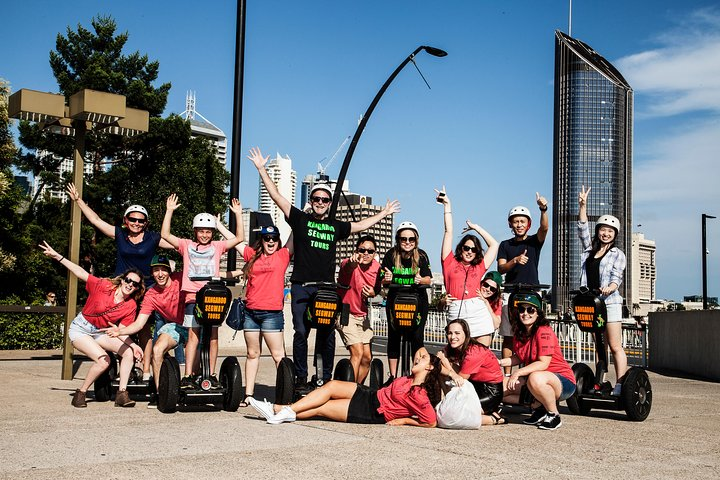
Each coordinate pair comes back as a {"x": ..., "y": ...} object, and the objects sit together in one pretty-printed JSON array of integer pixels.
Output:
[{"x": 592, "y": 147}]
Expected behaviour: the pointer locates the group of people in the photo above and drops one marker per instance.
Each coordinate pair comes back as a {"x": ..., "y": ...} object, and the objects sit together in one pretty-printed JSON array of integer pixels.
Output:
[{"x": 145, "y": 287}]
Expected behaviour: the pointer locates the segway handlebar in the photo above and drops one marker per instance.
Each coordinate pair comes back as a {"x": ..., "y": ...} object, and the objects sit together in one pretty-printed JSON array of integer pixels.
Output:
[
  {"x": 524, "y": 286},
  {"x": 326, "y": 285},
  {"x": 397, "y": 286}
]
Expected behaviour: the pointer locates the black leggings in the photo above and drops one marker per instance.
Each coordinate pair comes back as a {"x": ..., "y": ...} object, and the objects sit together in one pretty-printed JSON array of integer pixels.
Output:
[{"x": 490, "y": 394}]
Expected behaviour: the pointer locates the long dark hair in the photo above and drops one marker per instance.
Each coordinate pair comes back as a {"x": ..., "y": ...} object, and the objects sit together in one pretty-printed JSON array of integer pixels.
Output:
[
  {"x": 596, "y": 243},
  {"x": 433, "y": 384},
  {"x": 476, "y": 241},
  {"x": 139, "y": 292},
  {"x": 519, "y": 330},
  {"x": 414, "y": 254},
  {"x": 457, "y": 355},
  {"x": 258, "y": 247}
]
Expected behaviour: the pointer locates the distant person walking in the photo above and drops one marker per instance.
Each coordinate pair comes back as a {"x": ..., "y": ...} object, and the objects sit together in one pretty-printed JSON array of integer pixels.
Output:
[{"x": 50, "y": 299}]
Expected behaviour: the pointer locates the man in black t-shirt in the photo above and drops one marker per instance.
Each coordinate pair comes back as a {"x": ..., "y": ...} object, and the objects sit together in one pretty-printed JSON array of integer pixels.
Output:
[{"x": 315, "y": 240}]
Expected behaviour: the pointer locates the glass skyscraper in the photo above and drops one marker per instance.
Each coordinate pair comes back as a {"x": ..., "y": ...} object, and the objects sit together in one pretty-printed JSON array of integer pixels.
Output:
[{"x": 593, "y": 147}]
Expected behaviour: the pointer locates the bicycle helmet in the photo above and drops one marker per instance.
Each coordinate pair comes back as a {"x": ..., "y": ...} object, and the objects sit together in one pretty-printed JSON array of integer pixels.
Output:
[
  {"x": 406, "y": 226},
  {"x": 204, "y": 220},
  {"x": 610, "y": 221},
  {"x": 519, "y": 210},
  {"x": 322, "y": 186},
  {"x": 136, "y": 208}
]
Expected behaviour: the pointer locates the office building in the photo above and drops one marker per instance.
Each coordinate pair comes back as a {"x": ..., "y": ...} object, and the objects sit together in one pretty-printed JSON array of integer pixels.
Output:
[
  {"x": 355, "y": 208},
  {"x": 202, "y": 127},
  {"x": 281, "y": 173},
  {"x": 309, "y": 182},
  {"x": 644, "y": 273},
  {"x": 65, "y": 171},
  {"x": 592, "y": 146}
]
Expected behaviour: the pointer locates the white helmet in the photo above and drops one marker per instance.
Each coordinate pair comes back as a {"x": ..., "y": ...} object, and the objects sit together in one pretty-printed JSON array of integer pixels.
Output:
[
  {"x": 136, "y": 208},
  {"x": 322, "y": 186},
  {"x": 204, "y": 220},
  {"x": 519, "y": 210},
  {"x": 406, "y": 226},
  {"x": 610, "y": 221}
]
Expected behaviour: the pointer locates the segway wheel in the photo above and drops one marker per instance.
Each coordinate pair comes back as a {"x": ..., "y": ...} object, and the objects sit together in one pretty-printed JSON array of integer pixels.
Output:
[
  {"x": 285, "y": 382},
  {"x": 344, "y": 371},
  {"x": 168, "y": 386},
  {"x": 231, "y": 380},
  {"x": 584, "y": 381},
  {"x": 377, "y": 372},
  {"x": 103, "y": 384},
  {"x": 636, "y": 394}
]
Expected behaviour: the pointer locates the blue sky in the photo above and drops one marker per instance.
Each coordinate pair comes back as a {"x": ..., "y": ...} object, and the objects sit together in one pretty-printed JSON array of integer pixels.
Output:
[{"x": 484, "y": 129}]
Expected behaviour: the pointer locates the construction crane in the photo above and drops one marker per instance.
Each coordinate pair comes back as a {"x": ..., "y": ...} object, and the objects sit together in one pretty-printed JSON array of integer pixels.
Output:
[{"x": 321, "y": 169}]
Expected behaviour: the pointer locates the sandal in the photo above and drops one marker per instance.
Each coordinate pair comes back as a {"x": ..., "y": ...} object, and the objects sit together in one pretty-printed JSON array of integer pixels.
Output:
[
  {"x": 245, "y": 402},
  {"x": 498, "y": 419}
]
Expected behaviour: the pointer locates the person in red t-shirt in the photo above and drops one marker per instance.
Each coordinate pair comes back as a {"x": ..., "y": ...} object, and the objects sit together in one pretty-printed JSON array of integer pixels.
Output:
[
  {"x": 110, "y": 302},
  {"x": 463, "y": 271},
  {"x": 545, "y": 372},
  {"x": 265, "y": 265},
  {"x": 359, "y": 273},
  {"x": 407, "y": 400},
  {"x": 464, "y": 358}
]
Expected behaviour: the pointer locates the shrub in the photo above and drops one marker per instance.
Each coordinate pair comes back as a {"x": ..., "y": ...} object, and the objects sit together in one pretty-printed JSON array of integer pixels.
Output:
[{"x": 30, "y": 331}]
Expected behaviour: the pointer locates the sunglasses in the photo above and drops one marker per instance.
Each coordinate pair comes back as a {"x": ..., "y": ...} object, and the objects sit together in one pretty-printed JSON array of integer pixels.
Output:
[
  {"x": 51, "y": 296},
  {"x": 141, "y": 221},
  {"x": 529, "y": 309},
  {"x": 369, "y": 251},
  {"x": 131, "y": 282},
  {"x": 489, "y": 287},
  {"x": 407, "y": 239},
  {"x": 270, "y": 238},
  {"x": 467, "y": 248},
  {"x": 320, "y": 199}
]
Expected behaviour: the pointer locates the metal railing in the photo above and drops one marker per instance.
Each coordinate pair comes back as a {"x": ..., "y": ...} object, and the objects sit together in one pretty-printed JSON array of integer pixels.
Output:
[{"x": 576, "y": 346}]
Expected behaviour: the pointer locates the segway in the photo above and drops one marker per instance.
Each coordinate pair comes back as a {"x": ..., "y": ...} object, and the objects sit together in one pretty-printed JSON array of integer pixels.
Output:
[
  {"x": 405, "y": 318},
  {"x": 212, "y": 307},
  {"x": 109, "y": 382},
  {"x": 377, "y": 369},
  {"x": 323, "y": 308},
  {"x": 592, "y": 391}
]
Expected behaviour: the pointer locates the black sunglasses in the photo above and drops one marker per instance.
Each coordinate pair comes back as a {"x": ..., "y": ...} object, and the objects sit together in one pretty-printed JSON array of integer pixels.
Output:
[
  {"x": 270, "y": 238},
  {"x": 141, "y": 221},
  {"x": 529, "y": 309},
  {"x": 131, "y": 282},
  {"x": 407, "y": 239},
  {"x": 489, "y": 287},
  {"x": 366, "y": 250},
  {"x": 320, "y": 199},
  {"x": 467, "y": 248}
]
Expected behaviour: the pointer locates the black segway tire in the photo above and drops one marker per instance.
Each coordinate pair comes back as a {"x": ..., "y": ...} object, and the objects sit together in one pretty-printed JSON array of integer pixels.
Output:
[
  {"x": 344, "y": 371},
  {"x": 584, "y": 381},
  {"x": 636, "y": 394},
  {"x": 231, "y": 381},
  {"x": 285, "y": 382},
  {"x": 377, "y": 373},
  {"x": 168, "y": 386},
  {"x": 103, "y": 384}
]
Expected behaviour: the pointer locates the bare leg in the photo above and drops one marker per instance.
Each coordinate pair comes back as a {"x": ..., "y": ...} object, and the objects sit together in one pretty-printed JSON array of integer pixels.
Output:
[
  {"x": 276, "y": 343},
  {"x": 145, "y": 342},
  {"x": 311, "y": 404},
  {"x": 252, "y": 361},
  {"x": 485, "y": 339},
  {"x": 191, "y": 350},
  {"x": 97, "y": 354},
  {"x": 546, "y": 388},
  {"x": 507, "y": 351},
  {"x": 356, "y": 353},
  {"x": 163, "y": 344},
  {"x": 213, "y": 350},
  {"x": 127, "y": 359},
  {"x": 364, "y": 364},
  {"x": 614, "y": 340}
]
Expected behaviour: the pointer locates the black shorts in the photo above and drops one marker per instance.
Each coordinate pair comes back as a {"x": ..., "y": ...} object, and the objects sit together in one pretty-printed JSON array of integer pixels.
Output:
[{"x": 364, "y": 406}]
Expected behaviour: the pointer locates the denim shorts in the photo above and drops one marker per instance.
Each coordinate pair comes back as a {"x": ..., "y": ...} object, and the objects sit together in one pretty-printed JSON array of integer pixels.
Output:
[
  {"x": 614, "y": 312},
  {"x": 568, "y": 387},
  {"x": 81, "y": 327},
  {"x": 177, "y": 332},
  {"x": 263, "y": 321}
]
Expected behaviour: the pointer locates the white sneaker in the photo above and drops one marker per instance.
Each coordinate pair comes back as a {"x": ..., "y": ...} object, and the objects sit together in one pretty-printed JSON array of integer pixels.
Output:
[
  {"x": 285, "y": 415},
  {"x": 264, "y": 407},
  {"x": 617, "y": 390}
]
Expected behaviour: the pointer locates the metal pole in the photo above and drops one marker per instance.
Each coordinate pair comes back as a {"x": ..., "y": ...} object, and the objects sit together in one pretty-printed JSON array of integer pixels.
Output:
[
  {"x": 74, "y": 247},
  {"x": 704, "y": 260},
  {"x": 237, "y": 120}
]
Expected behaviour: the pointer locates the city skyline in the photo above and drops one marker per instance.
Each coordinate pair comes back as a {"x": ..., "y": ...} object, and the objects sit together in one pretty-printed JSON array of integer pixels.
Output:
[{"x": 484, "y": 129}]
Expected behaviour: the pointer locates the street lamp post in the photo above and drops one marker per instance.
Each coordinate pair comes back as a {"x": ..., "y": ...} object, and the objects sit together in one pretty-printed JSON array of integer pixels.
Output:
[
  {"x": 704, "y": 261},
  {"x": 87, "y": 110},
  {"x": 436, "y": 52}
]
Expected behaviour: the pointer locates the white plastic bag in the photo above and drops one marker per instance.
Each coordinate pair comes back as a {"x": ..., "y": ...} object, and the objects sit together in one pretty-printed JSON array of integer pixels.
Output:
[{"x": 460, "y": 409}]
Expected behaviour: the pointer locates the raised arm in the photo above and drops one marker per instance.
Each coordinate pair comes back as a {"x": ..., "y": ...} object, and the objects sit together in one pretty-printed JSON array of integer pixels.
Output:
[
  {"x": 582, "y": 201},
  {"x": 240, "y": 247},
  {"x": 493, "y": 245},
  {"x": 236, "y": 209},
  {"x": 544, "y": 222},
  {"x": 76, "y": 270},
  {"x": 107, "y": 229},
  {"x": 171, "y": 205},
  {"x": 259, "y": 161},
  {"x": 442, "y": 198},
  {"x": 365, "y": 223}
]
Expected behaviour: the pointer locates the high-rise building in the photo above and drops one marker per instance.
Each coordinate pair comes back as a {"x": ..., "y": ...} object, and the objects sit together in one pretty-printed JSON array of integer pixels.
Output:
[
  {"x": 281, "y": 173},
  {"x": 202, "y": 127},
  {"x": 311, "y": 180},
  {"x": 65, "y": 170},
  {"x": 592, "y": 147},
  {"x": 644, "y": 273},
  {"x": 361, "y": 207}
]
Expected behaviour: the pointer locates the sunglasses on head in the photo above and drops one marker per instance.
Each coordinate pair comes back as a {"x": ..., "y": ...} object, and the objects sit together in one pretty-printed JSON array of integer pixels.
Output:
[
  {"x": 407, "y": 239},
  {"x": 489, "y": 287},
  {"x": 270, "y": 238},
  {"x": 131, "y": 282},
  {"x": 366, "y": 250},
  {"x": 527, "y": 308},
  {"x": 467, "y": 248},
  {"x": 141, "y": 221},
  {"x": 320, "y": 199}
]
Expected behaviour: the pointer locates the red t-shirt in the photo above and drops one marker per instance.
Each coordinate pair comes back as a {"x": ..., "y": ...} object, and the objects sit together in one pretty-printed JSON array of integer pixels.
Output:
[
  {"x": 544, "y": 343},
  {"x": 454, "y": 275},
  {"x": 167, "y": 301},
  {"x": 401, "y": 400},
  {"x": 266, "y": 286},
  {"x": 356, "y": 279},
  {"x": 101, "y": 309},
  {"x": 482, "y": 365},
  {"x": 199, "y": 261}
]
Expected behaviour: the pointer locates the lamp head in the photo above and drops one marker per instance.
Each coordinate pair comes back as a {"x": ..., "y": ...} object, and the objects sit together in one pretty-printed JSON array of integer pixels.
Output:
[{"x": 436, "y": 52}]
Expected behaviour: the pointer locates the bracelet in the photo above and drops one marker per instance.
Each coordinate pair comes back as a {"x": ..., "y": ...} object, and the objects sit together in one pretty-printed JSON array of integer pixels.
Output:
[
  {"x": 543, "y": 209},
  {"x": 449, "y": 211},
  {"x": 61, "y": 259}
]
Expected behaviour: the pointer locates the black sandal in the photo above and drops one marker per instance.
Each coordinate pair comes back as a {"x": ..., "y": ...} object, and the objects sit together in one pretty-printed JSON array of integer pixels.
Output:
[
  {"x": 498, "y": 419},
  {"x": 245, "y": 403}
]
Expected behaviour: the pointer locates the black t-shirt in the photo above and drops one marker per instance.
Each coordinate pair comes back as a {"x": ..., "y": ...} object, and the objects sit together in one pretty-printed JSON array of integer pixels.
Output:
[
  {"x": 592, "y": 271},
  {"x": 315, "y": 242},
  {"x": 527, "y": 273},
  {"x": 404, "y": 275}
]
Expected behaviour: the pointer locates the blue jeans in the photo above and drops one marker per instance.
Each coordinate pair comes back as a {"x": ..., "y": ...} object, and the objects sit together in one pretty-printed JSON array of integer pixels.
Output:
[
  {"x": 180, "y": 349},
  {"x": 325, "y": 338}
]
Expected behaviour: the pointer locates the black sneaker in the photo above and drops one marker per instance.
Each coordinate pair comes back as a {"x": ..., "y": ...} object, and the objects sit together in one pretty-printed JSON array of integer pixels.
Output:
[
  {"x": 187, "y": 383},
  {"x": 301, "y": 382},
  {"x": 215, "y": 383},
  {"x": 538, "y": 415},
  {"x": 550, "y": 422},
  {"x": 391, "y": 378}
]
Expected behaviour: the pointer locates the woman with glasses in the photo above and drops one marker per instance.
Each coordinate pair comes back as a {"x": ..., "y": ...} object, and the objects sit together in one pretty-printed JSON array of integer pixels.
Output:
[
  {"x": 405, "y": 264},
  {"x": 545, "y": 372},
  {"x": 359, "y": 273},
  {"x": 110, "y": 302},
  {"x": 264, "y": 271},
  {"x": 463, "y": 270}
]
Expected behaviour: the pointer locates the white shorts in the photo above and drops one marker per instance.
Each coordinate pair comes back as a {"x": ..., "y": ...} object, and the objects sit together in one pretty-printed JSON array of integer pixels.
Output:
[
  {"x": 614, "y": 312},
  {"x": 475, "y": 312}
]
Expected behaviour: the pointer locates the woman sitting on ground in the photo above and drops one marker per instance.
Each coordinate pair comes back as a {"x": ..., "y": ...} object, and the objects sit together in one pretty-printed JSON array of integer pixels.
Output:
[{"x": 407, "y": 400}]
